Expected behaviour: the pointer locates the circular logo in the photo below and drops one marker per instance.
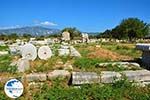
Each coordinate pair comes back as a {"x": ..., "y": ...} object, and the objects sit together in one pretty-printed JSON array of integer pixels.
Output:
[{"x": 13, "y": 88}]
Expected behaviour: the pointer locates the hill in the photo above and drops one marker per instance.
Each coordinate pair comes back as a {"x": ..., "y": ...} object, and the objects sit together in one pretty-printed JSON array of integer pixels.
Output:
[{"x": 33, "y": 30}]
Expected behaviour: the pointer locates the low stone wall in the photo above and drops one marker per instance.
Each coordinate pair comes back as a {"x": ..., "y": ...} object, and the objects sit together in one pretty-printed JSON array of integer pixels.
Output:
[
  {"x": 79, "y": 78},
  {"x": 39, "y": 77}
]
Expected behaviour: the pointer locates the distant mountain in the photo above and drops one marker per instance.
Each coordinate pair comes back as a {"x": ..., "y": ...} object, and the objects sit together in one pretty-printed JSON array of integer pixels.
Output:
[
  {"x": 93, "y": 33},
  {"x": 33, "y": 30}
]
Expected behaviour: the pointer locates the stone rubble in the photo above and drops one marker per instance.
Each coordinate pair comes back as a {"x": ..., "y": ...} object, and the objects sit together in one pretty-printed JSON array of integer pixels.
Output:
[{"x": 128, "y": 65}]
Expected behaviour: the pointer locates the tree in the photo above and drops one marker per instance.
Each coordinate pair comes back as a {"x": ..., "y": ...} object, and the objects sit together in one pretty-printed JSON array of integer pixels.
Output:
[
  {"x": 130, "y": 28},
  {"x": 73, "y": 32}
]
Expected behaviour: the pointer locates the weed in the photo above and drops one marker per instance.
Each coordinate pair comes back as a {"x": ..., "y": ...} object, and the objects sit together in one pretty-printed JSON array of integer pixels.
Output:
[
  {"x": 87, "y": 63},
  {"x": 5, "y": 61}
]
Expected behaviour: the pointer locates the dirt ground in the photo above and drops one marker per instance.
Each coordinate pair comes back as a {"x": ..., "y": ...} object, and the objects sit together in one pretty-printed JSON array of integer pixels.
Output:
[{"x": 98, "y": 52}]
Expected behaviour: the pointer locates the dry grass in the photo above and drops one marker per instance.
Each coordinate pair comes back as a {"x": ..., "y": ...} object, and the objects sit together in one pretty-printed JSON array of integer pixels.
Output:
[{"x": 107, "y": 54}]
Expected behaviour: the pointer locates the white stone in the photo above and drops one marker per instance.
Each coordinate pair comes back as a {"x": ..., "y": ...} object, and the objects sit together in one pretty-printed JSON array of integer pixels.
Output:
[
  {"x": 74, "y": 52},
  {"x": 29, "y": 51},
  {"x": 79, "y": 78},
  {"x": 64, "y": 47},
  {"x": 44, "y": 52},
  {"x": 35, "y": 77},
  {"x": 14, "y": 49},
  {"x": 66, "y": 36},
  {"x": 139, "y": 75},
  {"x": 143, "y": 47},
  {"x": 63, "y": 52},
  {"x": 23, "y": 65},
  {"x": 124, "y": 64},
  {"x": 85, "y": 37},
  {"x": 110, "y": 76},
  {"x": 58, "y": 73}
]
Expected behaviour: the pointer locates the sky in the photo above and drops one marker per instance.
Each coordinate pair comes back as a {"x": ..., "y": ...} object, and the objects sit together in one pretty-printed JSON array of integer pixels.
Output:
[{"x": 85, "y": 15}]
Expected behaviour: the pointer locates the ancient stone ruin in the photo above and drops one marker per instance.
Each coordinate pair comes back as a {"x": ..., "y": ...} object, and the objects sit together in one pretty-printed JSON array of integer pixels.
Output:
[
  {"x": 66, "y": 36},
  {"x": 85, "y": 38},
  {"x": 145, "y": 48}
]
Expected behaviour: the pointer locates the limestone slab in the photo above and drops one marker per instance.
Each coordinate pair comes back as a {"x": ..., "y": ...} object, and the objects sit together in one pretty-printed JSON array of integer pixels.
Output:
[
  {"x": 36, "y": 77},
  {"x": 58, "y": 73},
  {"x": 85, "y": 78},
  {"x": 110, "y": 76},
  {"x": 139, "y": 75}
]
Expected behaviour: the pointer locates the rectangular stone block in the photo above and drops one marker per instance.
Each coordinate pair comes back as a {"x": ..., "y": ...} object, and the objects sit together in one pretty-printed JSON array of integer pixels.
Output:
[
  {"x": 143, "y": 47},
  {"x": 79, "y": 78},
  {"x": 35, "y": 77},
  {"x": 110, "y": 76},
  {"x": 58, "y": 73},
  {"x": 139, "y": 75}
]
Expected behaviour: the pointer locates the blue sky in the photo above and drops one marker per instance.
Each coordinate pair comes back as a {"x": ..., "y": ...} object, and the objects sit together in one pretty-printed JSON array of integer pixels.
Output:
[{"x": 86, "y": 15}]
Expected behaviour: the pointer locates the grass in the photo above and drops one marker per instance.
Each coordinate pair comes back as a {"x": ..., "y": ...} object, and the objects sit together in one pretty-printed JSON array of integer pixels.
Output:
[
  {"x": 123, "y": 49},
  {"x": 59, "y": 90},
  {"x": 43, "y": 65},
  {"x": 87, "y": 63},
  {"x": 82, "y": 49},
  {"x": 5, "y": 61},
  {"x": 90, "y": 64},
  {"x": 121, "y": 90},
  {"x": 4, "y": 48}
]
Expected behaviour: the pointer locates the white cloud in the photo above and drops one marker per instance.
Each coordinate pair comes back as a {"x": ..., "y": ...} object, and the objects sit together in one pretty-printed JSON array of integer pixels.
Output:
[{"x": 47, "y": 23}]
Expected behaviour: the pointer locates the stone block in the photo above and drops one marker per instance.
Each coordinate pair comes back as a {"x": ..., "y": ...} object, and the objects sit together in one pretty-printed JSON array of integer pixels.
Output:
[
  {"x": 58, "y": 73},
  {"x": 79, "y": 78},
  {"x": 139, "y": 75},
  {"x": 36, "y": 77},
  {"x": 110, "y": 76}
]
